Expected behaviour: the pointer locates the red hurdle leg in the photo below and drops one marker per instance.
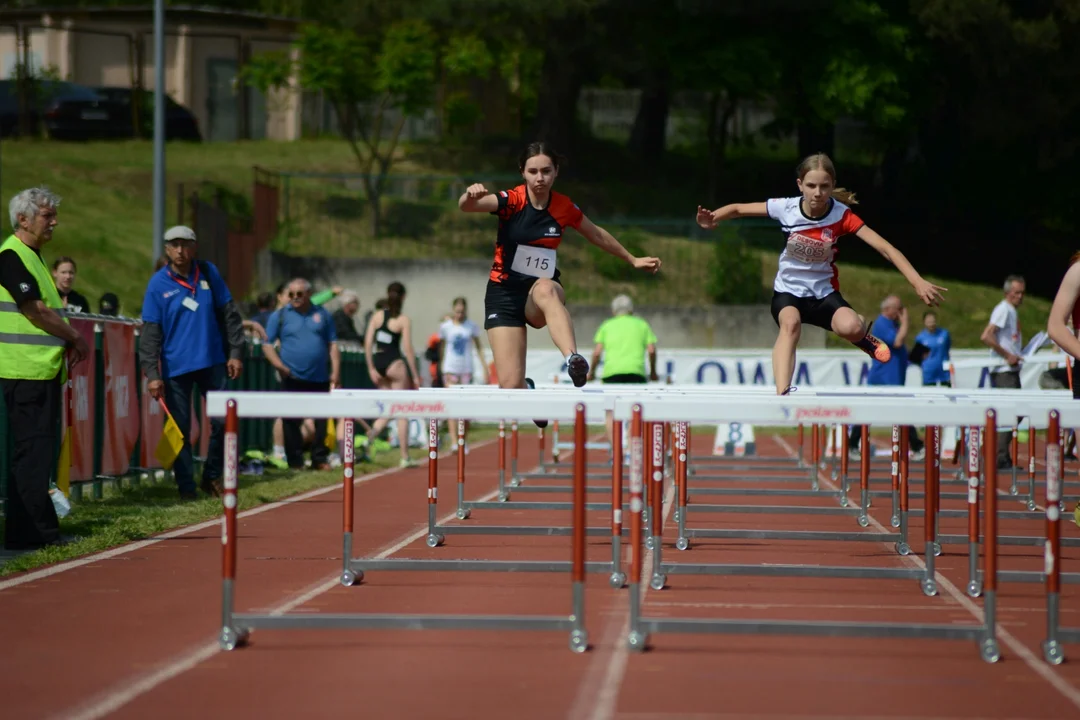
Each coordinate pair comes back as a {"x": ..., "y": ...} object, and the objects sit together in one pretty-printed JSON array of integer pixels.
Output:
[
  {"x": 814, "y": 457},
  {"x": 864, "y": 476},
  {"x": 799, "y": 442},
  {"x": 1031, "y": 467},
  {"x": 503, "y": 495},
  {"x": 579, "y": 639},
  {"x": 618, "y": 577},
  {"x": 974, "y": 588},
  {"x": 682, "y": 450},
  {"x": 895, "y": 476},
  {"x": 936, "y": 447},
  {"x": 637, "y": 639},
  {"x": 931, "y": 550},
  {"x": 514, "y": 479},
  {"x": 989, "y": 646},
  {"x": 1052, "y": 650},
  {"x": 844, "y": 486},
  {"x": 462, "y": 512},
  {"x": 543, "y": 444},
  {"x": 903, "y": 546},
  {"x": 434, "y": 539},
  {"x": 348, "y": 577},
  {"x": 231, "y": 637}
]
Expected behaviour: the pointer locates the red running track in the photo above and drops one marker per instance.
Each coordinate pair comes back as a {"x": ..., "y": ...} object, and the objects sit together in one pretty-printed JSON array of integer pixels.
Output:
[{"x": 134, "y": 635}]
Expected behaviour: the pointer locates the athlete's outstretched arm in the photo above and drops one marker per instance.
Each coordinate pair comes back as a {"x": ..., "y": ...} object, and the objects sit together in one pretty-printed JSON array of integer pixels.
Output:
[
  {"x": 930, "y": 293},
  {"x": 604, "y": 240},
  {"x": 478, "y": 198},
  {"x": 1057, "y": 326},
  {"x": 709, "y": 219}
]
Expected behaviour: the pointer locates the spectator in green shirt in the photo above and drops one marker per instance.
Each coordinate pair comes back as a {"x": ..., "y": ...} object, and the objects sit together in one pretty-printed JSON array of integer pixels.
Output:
[{"x": 623, "y": 340}]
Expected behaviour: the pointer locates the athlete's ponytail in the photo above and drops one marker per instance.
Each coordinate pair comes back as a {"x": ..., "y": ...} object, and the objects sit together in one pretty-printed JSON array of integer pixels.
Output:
[{"x": 395, "y": 295}]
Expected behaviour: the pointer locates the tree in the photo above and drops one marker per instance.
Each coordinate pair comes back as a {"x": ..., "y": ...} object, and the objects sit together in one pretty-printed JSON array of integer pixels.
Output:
[{"x": 363, "y": 76}]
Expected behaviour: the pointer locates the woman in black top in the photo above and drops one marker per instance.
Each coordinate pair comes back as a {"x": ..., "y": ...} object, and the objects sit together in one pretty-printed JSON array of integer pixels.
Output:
[
  {"x": 63, "y": 273},
  {"x": 390, "y": 358}
]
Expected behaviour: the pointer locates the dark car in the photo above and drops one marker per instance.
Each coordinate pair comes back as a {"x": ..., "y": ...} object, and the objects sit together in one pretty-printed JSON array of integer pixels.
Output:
[
  {"x": 65, "y": 110},
  {"x": 180, "y": 123}
]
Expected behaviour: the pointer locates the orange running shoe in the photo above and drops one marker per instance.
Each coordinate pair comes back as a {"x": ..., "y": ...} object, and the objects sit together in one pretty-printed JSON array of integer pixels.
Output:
[{"x": 874, "y": 348}]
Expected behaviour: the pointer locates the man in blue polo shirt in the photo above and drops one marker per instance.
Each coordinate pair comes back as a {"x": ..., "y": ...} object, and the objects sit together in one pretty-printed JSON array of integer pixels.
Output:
[
  {"x": 891, "y": 328},
  {"x": 192, "y": 335},
  {"x": 308, "y": 361},
  {"x": 938, "y": 343}
]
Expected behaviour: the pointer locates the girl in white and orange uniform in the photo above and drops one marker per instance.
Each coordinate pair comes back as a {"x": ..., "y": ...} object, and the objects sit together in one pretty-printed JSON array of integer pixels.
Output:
[
  {"x": 1066, "y": 309},
  {"x": 807, "y": 284}
]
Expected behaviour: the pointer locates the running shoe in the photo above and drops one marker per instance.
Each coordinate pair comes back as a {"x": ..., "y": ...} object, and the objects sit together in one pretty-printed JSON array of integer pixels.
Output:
[
  {"x": 874, "y": 348},
  {"x": 532, "y": 386},
  {"x": 578, "y": 367},
  {"x": 790, "y": 389}
]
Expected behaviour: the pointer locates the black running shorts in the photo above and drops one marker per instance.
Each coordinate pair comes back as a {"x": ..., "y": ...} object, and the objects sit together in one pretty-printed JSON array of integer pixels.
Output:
[
  {"x": 811, "y": 310},
  {"x": 504, "y": 303}
]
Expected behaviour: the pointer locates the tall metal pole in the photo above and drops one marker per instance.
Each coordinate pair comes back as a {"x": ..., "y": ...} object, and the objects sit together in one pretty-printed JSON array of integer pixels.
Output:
[{"x": 159, "y": 129}]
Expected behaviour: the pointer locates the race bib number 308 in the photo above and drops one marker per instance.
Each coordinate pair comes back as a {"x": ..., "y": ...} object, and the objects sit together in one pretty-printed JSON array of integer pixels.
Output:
[{"x": 534, "y": 261}]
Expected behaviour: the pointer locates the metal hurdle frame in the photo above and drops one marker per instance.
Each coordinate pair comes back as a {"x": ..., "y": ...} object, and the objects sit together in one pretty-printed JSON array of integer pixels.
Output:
[
  {"x": 435, "y": 404},
  {"x": 641, "y": 627}
]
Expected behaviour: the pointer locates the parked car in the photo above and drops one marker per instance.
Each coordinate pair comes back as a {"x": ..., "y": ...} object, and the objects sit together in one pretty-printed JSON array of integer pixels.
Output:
[
  {"x": 180, "y": 123},
  {"x": 65, "y": 110}
]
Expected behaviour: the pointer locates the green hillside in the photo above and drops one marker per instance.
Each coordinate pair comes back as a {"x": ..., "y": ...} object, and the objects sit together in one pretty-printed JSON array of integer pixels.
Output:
[{"x": 106, "y": 216}]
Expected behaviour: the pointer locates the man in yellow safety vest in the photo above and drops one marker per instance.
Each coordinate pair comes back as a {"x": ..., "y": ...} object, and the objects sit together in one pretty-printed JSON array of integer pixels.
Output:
[{"x": 35, "y": 336}]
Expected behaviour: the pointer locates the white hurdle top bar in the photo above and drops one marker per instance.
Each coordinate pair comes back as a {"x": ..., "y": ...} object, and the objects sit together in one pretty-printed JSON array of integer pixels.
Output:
[{"x": 498, "y": 404}]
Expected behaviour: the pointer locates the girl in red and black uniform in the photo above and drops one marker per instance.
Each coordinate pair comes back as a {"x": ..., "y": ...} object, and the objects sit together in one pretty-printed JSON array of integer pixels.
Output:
[{"x": 524, "y": 285}]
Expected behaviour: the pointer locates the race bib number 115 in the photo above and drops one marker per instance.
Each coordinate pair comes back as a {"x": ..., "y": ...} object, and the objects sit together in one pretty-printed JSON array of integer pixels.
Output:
[{"x": 534, "y": 261}]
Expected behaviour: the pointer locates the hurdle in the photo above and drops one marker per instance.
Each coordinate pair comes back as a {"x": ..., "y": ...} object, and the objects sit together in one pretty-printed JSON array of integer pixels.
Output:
[
  {"x": 1053, "y": 651},
  {"x": 899, "y": 412},
  {"x": 435, "y": 405}
]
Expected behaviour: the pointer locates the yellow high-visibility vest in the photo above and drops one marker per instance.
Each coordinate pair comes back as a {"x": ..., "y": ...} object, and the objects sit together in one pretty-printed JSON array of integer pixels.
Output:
[{"x": 26, "y": 351}]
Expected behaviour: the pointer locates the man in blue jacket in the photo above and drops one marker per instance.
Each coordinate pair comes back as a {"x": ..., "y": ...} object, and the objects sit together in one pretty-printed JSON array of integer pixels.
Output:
[{"x": 192, "y": 335}]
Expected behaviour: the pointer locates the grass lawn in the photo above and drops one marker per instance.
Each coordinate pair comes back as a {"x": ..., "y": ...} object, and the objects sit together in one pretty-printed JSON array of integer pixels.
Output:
[
  {"x": 106, "y": 218},
  {"x": 129, "y": 513}
]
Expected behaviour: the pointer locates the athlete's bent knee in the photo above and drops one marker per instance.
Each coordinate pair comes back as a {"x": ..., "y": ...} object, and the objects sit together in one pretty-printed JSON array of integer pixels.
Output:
[
  {"x": 545, "y": 292},
  {"x": 790, "y": 325}
]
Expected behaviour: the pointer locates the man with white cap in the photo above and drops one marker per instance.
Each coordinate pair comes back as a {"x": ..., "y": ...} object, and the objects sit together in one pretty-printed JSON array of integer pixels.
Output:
[{"x": 192, "y": 335}]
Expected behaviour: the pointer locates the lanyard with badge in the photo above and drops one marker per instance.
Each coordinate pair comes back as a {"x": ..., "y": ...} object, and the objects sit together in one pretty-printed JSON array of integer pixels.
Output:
[{"x": 189, "y": 302}]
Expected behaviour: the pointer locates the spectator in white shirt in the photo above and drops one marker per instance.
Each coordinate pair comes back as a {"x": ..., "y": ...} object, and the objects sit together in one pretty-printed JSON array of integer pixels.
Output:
[
  {"x": 459, "y": 335},
  {"x": 1002, "y": 335}
]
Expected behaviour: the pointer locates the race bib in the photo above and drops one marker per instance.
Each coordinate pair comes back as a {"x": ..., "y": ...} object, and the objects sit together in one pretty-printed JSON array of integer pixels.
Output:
[
  {"x": 384, "y": 337},
  {"x": 808, "y": 249},
  {"x": 534, "y": 261}
]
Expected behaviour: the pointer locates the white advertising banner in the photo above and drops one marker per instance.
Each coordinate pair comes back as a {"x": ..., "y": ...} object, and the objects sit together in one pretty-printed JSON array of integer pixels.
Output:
[{"x": 813, "y": 368}]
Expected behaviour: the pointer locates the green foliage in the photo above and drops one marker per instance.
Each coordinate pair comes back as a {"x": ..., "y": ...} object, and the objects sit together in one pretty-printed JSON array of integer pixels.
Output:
[
  {"x": 406, "y": 66},
  {"x": 612, "y": 268},
  {"x": 735, "y": 274}
]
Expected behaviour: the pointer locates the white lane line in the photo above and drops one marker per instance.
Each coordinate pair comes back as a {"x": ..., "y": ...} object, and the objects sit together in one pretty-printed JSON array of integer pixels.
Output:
[
  {"x": 140, "y": 544},
  {"x": 131, "y": 689},
  {"x": 1008, "y": 639},
  {"x": 598, "y": 693}
]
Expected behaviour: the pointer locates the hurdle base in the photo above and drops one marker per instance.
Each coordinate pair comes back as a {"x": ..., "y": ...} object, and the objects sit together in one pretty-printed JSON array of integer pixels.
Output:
[
  {"x": 817, "y": 629},
  {"x": 537, "y": 505},
  {"x": 695, "y": 508},
  {"x": 811, "y": 535},
  {"x": 362, "y": 565},
  {"x": 1020, "y": 540},
  {"x": 339, "y": 621},
  {"x": 777, "y": 492},
  {"x": 528, "y": 530},
  {"x": 824, "y": 571}
]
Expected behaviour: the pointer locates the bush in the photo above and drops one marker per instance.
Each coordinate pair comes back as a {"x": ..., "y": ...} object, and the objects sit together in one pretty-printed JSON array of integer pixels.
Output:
[
  {"x": 611, "y": 267},
  {"x": 735, "y": 274}
]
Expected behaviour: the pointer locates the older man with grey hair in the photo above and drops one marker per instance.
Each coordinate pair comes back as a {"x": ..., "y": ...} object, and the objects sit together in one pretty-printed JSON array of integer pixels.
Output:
[
  {"x": 345, "y": 318},
  {"x": 35, "y": 336},
  {"x": 1002, "y": 335}
]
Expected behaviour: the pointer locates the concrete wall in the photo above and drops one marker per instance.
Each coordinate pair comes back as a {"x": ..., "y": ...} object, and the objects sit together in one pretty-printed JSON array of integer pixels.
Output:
[{"x": 432, "y": 286}]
